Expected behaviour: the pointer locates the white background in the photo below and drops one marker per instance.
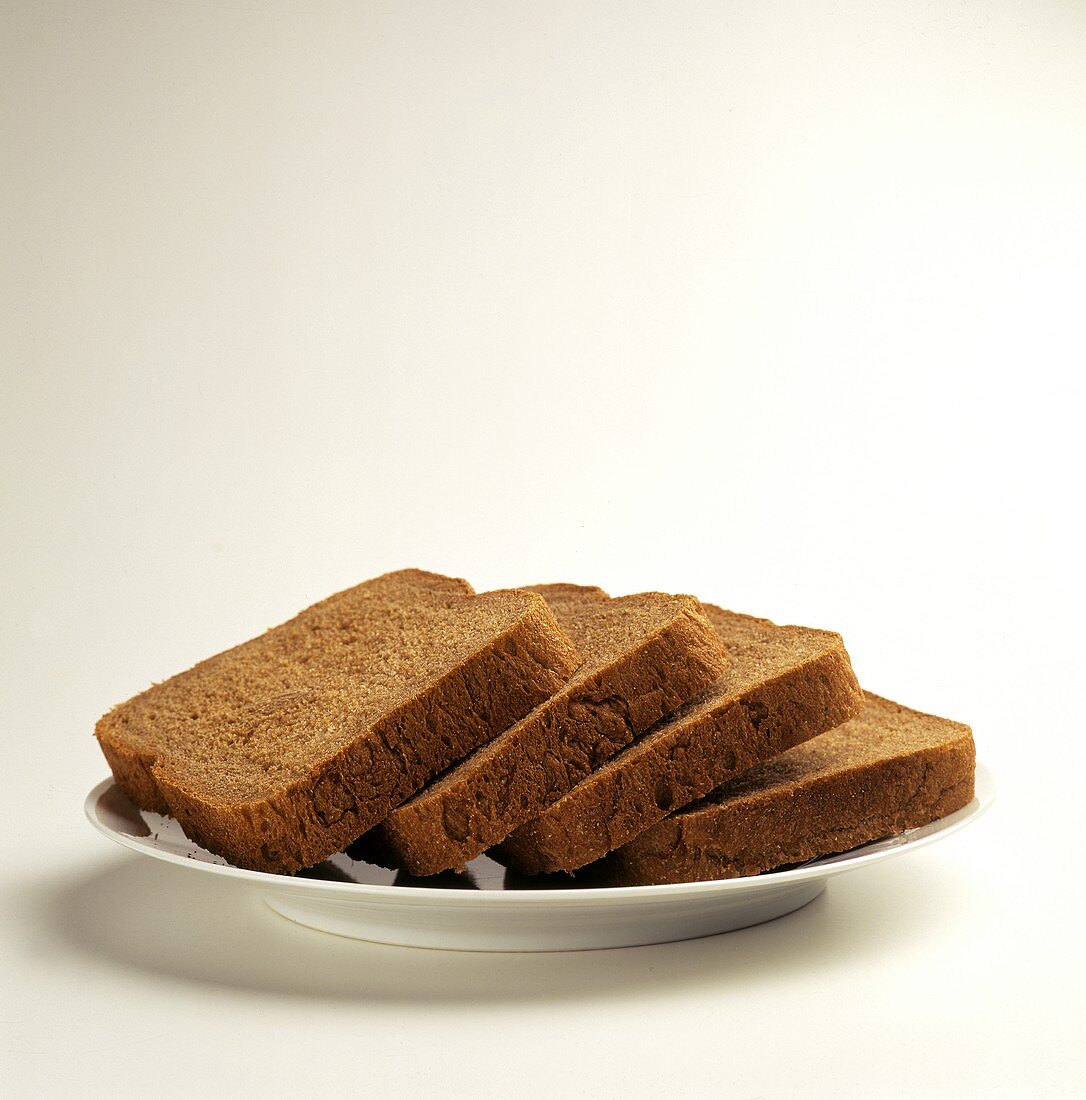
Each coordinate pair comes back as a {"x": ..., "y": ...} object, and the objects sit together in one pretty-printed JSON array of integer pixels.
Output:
[{"x": 780, "y": 304}]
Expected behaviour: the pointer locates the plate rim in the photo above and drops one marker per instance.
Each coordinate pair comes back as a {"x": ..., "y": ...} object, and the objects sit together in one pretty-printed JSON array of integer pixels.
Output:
[{"x": 984, "y": 796}]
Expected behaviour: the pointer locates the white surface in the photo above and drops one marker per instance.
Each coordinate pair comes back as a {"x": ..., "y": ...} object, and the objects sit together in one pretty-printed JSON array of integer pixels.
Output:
[
  {"x": 339, "y": 896},
  {"x": 779, "y": 304}
]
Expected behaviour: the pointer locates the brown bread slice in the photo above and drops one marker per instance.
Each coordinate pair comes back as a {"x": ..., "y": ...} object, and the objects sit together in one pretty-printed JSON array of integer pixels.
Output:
[
  {"x": 784, "y": 685},
  {"x": 277, "y": 753},
  {"x": 643, "y": 656},
  {"x": 888, "y": 770}
]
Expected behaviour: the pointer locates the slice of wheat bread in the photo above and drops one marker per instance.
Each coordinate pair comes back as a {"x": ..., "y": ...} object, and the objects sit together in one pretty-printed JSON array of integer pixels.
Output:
[
  {"x": 784, "y": 685},
  {"x": 885, "y": 771},
  {"x": 643, "y": 656},
  {"x": 277, "y": 753}
]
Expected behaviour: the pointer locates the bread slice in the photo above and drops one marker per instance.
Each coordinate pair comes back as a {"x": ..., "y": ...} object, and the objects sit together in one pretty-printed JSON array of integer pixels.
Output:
[
  {"x": 784, "y": 685},
  {"x": 888, "y": 770},
  {"x": 643, "y": 656},
  {"x": 277, "y": 753}
]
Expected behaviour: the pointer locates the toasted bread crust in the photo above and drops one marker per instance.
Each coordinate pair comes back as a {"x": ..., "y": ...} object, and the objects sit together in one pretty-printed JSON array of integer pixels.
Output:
[
  {"x": 541, "y": 758},
  {"x": 785, "y": 685},
  {"x": 507, "y": 671},
  {"x": 888, "y": 770}
]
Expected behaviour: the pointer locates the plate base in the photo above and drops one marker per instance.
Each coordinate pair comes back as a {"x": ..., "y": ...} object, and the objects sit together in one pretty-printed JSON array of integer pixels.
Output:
[{"x": 573, "y": 928}]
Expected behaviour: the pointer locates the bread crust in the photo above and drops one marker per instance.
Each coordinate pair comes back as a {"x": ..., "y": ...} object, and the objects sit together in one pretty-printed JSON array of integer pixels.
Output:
[
  {"x": 343, "y": 793},
  {"x": 541, "y": 758},
  {"x": 828, "y": 795},
  {"x": 749, "y": 715}
]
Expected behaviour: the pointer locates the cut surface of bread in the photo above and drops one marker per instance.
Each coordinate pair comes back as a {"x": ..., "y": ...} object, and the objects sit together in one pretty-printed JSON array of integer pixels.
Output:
[
  {"x": 643, "y": 656},
  {"x": 278, "y": 752},
  {"x": 784, "y": 685},
  {"x": 885, "y": 771}
]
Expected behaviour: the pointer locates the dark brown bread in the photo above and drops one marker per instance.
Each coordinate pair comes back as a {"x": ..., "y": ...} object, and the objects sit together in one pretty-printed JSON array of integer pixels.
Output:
[
  {"x": 784, "y": 685},
  {"x": 643, "y": 656},
  {"x": 888, "y": 770},
  {"x": 277, "y": 753}
]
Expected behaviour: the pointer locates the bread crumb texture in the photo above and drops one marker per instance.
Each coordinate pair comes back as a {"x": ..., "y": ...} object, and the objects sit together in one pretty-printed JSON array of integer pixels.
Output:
[
  {"x": 783, "y": 685},
  {"x": 643, "y": 656},
  {"x": 278, "y": 752},
  {"x": 885, "y": 771}
]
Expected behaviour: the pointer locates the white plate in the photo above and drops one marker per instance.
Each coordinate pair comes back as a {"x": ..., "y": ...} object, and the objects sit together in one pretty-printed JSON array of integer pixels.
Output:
[{"x": 489, "y": 909}]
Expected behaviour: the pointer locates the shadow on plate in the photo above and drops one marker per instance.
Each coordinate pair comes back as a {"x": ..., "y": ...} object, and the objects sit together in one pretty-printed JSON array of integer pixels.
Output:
[{"x": 165, "y": 921}]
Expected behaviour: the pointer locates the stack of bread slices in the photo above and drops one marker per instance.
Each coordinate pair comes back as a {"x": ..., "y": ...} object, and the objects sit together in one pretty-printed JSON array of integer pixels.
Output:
[{"x": 417, "y": 724}]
